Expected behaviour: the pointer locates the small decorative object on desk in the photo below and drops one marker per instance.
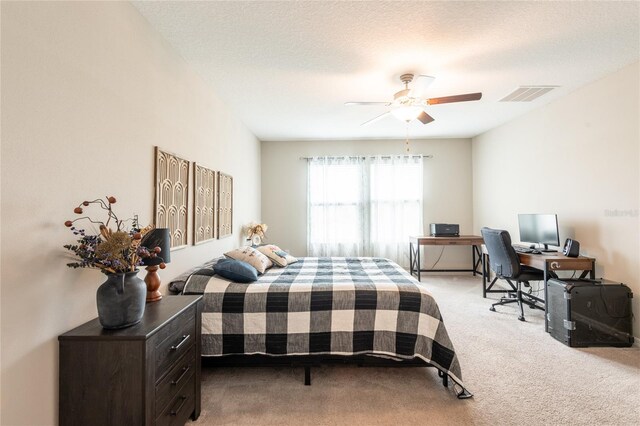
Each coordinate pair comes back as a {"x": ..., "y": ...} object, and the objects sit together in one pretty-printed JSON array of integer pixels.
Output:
[
  {"x": 255, "y": 232},
  {"x": 117, "y": 253}
]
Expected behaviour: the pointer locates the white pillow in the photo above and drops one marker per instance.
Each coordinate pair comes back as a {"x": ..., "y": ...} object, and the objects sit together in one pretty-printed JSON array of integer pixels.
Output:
[
  {"x": 252, "y": 256},
  {"x": 277, "y": 255}
]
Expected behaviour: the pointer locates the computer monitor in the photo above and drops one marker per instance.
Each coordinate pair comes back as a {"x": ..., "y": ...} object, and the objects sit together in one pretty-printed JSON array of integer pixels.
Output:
[{"x": 539, "y": 229}]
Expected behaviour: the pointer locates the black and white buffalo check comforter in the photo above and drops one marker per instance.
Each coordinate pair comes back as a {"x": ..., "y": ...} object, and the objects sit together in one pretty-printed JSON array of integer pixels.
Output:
[{"x": 332, "y": 306}]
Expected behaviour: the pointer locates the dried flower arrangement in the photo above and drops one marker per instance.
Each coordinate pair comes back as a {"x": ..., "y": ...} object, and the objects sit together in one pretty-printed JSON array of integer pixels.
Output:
[
  {"x": 110, "y": 251},
  {"x": 256, "y": 229}
]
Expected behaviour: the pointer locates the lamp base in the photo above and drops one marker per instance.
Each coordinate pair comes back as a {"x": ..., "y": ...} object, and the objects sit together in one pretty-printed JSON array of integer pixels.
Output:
[{"x": 153, "y": 284}]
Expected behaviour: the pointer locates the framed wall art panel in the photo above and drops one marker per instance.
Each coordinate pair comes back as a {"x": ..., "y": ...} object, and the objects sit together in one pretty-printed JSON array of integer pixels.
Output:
[
  {"x": 225, "y": 205},
  {"x": 204, "y": 204},
  {"x": 172, "y": 196}
]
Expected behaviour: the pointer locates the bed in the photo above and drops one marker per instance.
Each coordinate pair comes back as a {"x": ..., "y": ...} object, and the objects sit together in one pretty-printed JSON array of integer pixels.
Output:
[{"x": 364, "y": 310}]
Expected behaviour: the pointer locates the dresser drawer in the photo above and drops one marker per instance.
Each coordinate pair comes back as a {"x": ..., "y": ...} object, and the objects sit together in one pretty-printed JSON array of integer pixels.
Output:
[
  {"x": 180, "y": 337},
  {"x": 180, "y": 374},
  {"x": 180, "y": 408}
]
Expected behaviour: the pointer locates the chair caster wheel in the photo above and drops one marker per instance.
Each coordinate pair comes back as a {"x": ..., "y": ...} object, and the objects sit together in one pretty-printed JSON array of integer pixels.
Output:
[
  {"x": 492, "y": 309},
  {"x": 521, "y": 319}
]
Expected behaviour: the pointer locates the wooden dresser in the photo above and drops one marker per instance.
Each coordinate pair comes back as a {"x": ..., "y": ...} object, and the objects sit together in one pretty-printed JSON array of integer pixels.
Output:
[{"x": 148, "y": 374}]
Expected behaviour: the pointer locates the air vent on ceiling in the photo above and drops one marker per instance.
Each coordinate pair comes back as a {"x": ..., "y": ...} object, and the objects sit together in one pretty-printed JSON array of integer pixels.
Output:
[{"x": 527, "y": 93}]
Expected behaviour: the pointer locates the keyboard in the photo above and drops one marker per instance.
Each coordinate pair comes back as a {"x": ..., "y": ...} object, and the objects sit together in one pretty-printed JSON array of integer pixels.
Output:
[{"x": 521, "y": 249}]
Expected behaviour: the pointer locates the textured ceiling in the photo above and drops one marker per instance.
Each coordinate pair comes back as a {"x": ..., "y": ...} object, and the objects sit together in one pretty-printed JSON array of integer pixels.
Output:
[{"x": 286, "y": 68}]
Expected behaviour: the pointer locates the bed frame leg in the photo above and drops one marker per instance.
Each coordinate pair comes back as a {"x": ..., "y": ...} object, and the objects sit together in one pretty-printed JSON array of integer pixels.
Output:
[
  {"x": 445, "y": 378},
  {"x": 307, "y": 375}
]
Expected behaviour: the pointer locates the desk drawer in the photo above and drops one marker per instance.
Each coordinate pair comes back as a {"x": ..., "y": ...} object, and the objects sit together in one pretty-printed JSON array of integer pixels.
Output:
[
  {"x": 181, "y": 373},
  {"x": 457, "y": 243},
  {"x": 175, "y": 341},
  {"x": 451, "y": 242}
]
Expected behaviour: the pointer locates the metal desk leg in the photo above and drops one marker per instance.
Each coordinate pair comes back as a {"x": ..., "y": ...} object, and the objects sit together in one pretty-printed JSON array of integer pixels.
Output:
[
  {"x": 477, "y": 260},
  {"x": 411, "y": 258},
  {"x": 592, "y": 273},
  {"x": 546, "y": 306},
  {"x": 418, "y": 262},
  {"x": 473, "y": 259},
  {"x": 484, "y": 276}
]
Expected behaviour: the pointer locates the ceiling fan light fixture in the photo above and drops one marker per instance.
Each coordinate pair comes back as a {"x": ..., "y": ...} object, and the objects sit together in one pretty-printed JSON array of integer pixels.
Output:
[
  {"x": 412, "y": 104},
  {"x": 406, "y": 112}
]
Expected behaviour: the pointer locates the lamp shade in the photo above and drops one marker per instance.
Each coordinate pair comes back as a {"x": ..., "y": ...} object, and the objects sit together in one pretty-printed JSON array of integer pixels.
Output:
[
  {"x": 406, "y": 112},
  {"x": 158, "y": 237}
]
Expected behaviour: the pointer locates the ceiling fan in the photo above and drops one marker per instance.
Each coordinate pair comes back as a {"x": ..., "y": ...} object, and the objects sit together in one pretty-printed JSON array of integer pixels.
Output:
[{"x": 410, "y": 104}]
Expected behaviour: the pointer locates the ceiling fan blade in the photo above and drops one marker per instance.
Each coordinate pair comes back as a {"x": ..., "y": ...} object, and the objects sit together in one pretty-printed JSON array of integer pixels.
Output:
[
  {"x": 456, "y": 98},
  {"x": 425, "y": 118},
  {"x": 420, "y": 85},
  {"x": 373, "y": 120},
  {"x": 366, "y": 103}
]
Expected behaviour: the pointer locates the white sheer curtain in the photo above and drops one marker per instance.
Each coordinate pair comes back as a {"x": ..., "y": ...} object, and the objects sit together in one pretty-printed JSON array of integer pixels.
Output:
[
  {"x": 336, "y": 200},
  {"x": 395, "y": 204},
  {"x": 364, "y": 206}
]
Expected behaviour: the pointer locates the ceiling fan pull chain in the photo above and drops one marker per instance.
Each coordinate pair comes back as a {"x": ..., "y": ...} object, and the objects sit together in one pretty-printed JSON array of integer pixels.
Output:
[{"x": 406, "y": 142}]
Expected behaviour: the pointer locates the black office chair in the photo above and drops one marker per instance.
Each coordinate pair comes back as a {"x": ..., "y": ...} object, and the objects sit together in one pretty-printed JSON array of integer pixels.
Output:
[{"x": 504, "y": 261}]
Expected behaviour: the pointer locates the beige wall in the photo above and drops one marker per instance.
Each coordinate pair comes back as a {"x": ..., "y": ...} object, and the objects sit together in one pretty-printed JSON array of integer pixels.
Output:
[
  {"x": 577, "y": 157},
  {"x": 447, "y": 188},
  {"x": 87, "y": 90}
]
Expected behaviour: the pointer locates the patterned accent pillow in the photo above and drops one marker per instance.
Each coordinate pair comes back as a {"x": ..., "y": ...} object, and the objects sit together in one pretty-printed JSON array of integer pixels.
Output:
[
  {"x": 278, "y": 256},
  {"x": 252, "y": 256}
]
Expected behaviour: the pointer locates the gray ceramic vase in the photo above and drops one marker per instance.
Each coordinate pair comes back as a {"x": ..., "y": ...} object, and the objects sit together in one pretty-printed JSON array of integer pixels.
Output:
[{"x": 121, "y": 300}]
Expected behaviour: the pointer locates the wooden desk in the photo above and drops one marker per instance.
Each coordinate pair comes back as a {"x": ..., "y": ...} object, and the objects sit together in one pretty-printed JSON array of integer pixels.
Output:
[
  {"x": 546, "y": 262},
  {"x": 474, "y": 241},
  {"x": 557, "y": 262}
]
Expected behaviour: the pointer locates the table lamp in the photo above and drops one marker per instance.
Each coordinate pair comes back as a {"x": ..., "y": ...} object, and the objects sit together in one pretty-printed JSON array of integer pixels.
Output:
[{"x": 158, "y": 237}]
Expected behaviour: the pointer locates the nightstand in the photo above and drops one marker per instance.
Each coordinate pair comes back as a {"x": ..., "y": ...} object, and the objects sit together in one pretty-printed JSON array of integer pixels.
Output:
[{"x": 148, "y": 374}]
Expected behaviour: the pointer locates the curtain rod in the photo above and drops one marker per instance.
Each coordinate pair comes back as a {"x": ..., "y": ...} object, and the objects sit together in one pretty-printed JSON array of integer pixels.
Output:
[{"x": 364, "y": 156}]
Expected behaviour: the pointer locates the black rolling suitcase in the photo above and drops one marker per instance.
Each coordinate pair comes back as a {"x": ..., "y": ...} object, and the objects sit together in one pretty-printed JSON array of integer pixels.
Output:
[{"x": 583, "y": 313}]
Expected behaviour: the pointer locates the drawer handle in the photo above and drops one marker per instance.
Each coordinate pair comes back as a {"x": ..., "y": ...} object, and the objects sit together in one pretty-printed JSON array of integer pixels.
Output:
[
  {"x": 182, "y": 342},
  {"x": 175, "y": 412},
  {"x": 184, "y": 372}
]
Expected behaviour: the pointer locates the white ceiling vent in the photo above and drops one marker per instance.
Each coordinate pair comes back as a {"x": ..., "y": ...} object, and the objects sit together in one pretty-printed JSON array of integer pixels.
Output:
[{"x": 527, "y": 93}]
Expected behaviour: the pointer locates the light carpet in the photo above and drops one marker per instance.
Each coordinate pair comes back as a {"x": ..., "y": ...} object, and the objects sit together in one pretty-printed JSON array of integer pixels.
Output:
[{"x": 519, "y": 376}]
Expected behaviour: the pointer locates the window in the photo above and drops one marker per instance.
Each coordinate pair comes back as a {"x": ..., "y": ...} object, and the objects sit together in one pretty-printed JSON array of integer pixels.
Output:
[
  {"x": 335, "y": 206},
  {"x": 364, "y": 206}
]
